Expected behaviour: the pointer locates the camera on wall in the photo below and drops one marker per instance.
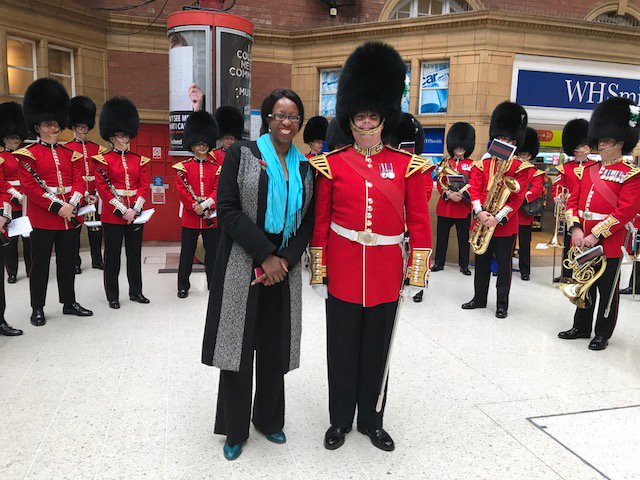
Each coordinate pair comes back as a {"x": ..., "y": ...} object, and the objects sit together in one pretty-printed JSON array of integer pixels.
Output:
[
  {"x": 333, "y": 10},
  {"x": 335, "y": 4}
]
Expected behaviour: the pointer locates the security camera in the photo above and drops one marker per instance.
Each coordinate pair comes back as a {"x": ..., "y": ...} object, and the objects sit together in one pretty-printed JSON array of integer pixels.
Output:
[{"x": 333, "y": 10}]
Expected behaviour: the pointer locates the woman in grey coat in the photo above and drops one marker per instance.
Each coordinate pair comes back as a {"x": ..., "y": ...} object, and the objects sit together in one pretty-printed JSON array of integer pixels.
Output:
[{"x": 265, "y": 211}]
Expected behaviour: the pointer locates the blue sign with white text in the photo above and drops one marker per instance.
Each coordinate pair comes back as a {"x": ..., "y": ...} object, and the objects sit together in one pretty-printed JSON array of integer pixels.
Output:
[
  {"x": 434, "y": 140},
  {"x": 567, "y": 90}
]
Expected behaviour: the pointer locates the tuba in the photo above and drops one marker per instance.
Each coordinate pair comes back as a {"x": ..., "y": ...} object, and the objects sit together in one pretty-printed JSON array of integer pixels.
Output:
[
  {"x": 586, "y": 266},
  {"x": 499, "y": 189}
]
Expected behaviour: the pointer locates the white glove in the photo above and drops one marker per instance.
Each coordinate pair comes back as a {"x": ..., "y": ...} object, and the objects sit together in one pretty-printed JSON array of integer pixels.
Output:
[
  {"x": 410, "y": 291},
  {"x": 16, "y": 194},
  {"x": 321, "y": 291}
]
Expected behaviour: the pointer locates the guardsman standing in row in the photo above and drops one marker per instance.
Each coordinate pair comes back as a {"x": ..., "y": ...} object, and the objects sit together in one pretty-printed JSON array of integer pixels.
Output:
[
  {"x": 82, "y": 119},
  {"x": 604, "y": 200},
  {"x": 508, "y": 124},
  {"x": 230, "y": 123},
  {"x": 314, "y": 135},
  {"x": 51, "y": 178},
  {"x": 197, "y": 182},
  {"x": 532, "y": 204},
  {"x": 365, "y": 195},
  {"x": 634, "y": 279},
  {"x": 122, "y": 182},
  {"x": 453, "y": 206},
  {"x": 13, "y": 131}
]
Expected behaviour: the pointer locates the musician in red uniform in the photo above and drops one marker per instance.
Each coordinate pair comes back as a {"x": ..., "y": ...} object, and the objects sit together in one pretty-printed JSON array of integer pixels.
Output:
[
  {"x": 532, "y": 204},
  {"x": 314, "y": 135},
  {"x": 197, "y": 177},
  {"x": 82, "y": 119},
  {"x": 51, "y": 179},
  {"x": 230, "y": 123},
  {"x": 453, "y": 206},
  {"x": 508, "y": 124},
  {"x": 12, "y": 133},
  {"x": 634, "y": 279},
  {"x": 365, "y": 194},
  {"x": 605, "y": 199},
  {"x": 122, "y": 181}
]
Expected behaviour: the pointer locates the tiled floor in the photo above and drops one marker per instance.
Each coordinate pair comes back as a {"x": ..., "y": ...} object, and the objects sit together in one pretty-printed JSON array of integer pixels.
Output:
[{"x": 123, "y": 394}]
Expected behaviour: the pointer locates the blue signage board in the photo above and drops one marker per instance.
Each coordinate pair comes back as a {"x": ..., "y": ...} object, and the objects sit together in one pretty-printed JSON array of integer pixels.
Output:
[
  {"x": 567, "y": 90},
  {"x": 434, "y": 141}
]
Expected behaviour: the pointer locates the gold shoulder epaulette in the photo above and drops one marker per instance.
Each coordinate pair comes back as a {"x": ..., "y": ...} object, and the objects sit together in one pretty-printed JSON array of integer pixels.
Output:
[
  {"x": 144, "y": 160},
  {"x": 321, "y": 164},
  {"x": 24, "y": 152},
  {"x": 417, "y": 163},
  {"x": 632, "y": 173},
  {"x": 479, "y": 164},
  {"x": 179, "y": 166},
  {"x": 76, "y": 156},
  {"x": 579, "y": 171},
  {"x": 219, "y": 170},
  {"x": 560, "y": 168},
  {"x": 524, "y": 166},
  {"x": 102, "y": 149},
  {"x": 539, "y": 172},
  {"x": 100, "y": 158},
  {"x": 428, "y": 168}
]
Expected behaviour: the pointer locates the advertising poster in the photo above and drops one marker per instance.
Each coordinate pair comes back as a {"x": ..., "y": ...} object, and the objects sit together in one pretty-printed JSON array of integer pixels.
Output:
[{"x": 434, "y": 88}]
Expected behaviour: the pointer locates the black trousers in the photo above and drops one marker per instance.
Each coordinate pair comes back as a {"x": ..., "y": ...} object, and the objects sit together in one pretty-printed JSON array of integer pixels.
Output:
[
  {"x": 188, "y": 250},
  {"x": 11, "y": 251},
  {"x": 95, "y": 245},
  {"x": 524, "y": 249},
  {"x": 501, "y": 247},
  {"x": 637, "y": 274},
  {"x": 42, "y": 242},
  {"x": 3, "y": 300},
  {"x": 442, "y": 240},
  {"x": 357, "y": 345},
  {"x": 113, "y": 236},
  {"x": 233, "y": 413},
  {"x": 583, "y": 318},
  {"x": 566, "y": 272}
]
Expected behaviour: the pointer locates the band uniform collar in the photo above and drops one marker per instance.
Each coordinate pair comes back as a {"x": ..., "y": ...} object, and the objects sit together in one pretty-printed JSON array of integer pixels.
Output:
[
  {"x": 204, "y": 160},
  {"x": 48, "y": 145},
  {"x": 121, "y": 152},
  {"x": 613, "y": 162},
  {"x": 81, "y": 142},
  {"x": 368, "y": 152}
]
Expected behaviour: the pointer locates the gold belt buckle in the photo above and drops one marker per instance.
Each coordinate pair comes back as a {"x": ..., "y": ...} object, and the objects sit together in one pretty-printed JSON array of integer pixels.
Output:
[
  {"x": 367, "y": 238},
  {"x": 61, "y": 190}
]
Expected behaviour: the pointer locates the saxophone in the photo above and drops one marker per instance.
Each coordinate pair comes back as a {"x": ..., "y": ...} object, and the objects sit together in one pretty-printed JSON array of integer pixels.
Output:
[{"x": 499, "y": 189}]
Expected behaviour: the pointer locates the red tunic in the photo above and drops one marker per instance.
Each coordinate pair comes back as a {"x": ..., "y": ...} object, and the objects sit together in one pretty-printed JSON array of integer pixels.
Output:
[
  {"x": 203, "y": 177},
  {"x": 356, "y": 197},
  {"x": 481, "y": 172},
  {"x": 535, "y": 191},
  {"x": 87, "y": 149},
  {"x": 59, "y": 168},
  {"x": 604, "y": 200},
  {"x": 5, "y": 196},
  {"x": 127, "y": 172},
  {"x": 566, "y": 175},
  {"x": 11, "y": 184},
  {"x": 448, "y": 208}
]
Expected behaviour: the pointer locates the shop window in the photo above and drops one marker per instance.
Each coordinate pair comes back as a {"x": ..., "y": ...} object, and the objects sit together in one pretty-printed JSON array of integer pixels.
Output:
[
  {"x": 21, "y": 64},
  {"x": 615, "y": 19},
  {"x": 426, "y": 8},
  {"x": 61, "y": 67},
  {"x": 434, "y": 88}
]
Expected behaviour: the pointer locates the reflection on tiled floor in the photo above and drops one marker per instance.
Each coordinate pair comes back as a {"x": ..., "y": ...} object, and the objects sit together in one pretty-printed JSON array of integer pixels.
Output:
[{"x": 122, "y": 395}]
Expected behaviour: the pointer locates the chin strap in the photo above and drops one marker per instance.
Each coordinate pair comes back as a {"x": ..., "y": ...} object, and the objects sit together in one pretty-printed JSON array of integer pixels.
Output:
[{"x": 360, "y": 131}]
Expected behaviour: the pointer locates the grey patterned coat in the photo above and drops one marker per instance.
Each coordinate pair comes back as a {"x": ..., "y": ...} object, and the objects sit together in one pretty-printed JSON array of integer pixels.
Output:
[{"x": 231, "y": 315}]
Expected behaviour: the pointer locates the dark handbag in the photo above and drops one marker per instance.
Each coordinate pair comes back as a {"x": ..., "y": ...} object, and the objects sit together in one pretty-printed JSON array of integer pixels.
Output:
[{"x": 533, "y": 208}]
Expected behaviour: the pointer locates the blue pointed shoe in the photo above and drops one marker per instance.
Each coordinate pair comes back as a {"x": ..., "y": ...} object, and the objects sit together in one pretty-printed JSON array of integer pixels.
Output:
[
  {"x": 278, "y": 437},
  {"x": 231, "y": 453}
]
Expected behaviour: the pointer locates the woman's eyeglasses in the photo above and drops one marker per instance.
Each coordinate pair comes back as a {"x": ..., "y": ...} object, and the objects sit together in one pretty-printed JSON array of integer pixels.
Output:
[{"x": 281, "y": 116}]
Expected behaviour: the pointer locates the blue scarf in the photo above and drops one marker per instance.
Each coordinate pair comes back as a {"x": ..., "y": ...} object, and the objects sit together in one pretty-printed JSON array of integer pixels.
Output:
[{"x": 283, "y": 210}]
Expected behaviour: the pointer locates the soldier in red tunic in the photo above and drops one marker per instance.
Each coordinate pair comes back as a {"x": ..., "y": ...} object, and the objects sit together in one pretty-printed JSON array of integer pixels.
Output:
[
  {"x": 122, "y": 181},
  {"x": 453, "y": 206},
  {"x": 365, "y": 195},
  {"x": 82, "y": 119},
  {"x": 230, "y": 123},
  {"x": 634, "y": 279},
  {"x": 508, "y": 124},
  {"x": 51, "y": 179},
  {"x": 604, "y": 200},
  {"x": 12, "y": 133},
  {"x": 314, "y": 135},
  {"x": 532, "y": 204},
  {"x": 197, "y": 182}
]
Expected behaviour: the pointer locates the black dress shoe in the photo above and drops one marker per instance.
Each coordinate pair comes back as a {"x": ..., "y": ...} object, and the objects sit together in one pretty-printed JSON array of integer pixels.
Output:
[
  {"x": 379, "y": 438},
  {"x": 418, "y": 296},
  {"x": 598, "y": 343},
  {"x": 78, "y": 270},
  {"x": 115, "y": 304},
  {"x": 437, "y": 268},
  {"x": 623, "y": 291},
  {"x": 182, "y": 293},
  {"x": 573, "y": 334},
  {"x": 501, "y": 312},
  {"x": 472, "y": 305},
  {"x": 98, "y": 266},
  {"x": 140, "y": 298},
  {"x": 465, "y": 271},
  {"x": 37, "y": 317},
  {"x": 76, "y": 309},
  {"x": 334, "y": 438},
  {"x": 12, "y": 279},
  {"x": 7, "y": 330},
  {"x": 524, "y": 276}
]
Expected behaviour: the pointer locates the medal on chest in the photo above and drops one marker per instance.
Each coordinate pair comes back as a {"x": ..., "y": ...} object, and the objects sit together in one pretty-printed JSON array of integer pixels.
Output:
[
  {"x": 612, "y": 175},
  {"x": 386, "y": 171}
]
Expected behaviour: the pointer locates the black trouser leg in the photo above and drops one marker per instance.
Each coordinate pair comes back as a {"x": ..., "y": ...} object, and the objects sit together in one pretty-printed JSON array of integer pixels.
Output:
[
  {"x": 210, "y": 242},
  {"x": 482, "y": 275},
  {"x": 377, "y": 326},
  {"x": 65, "y": 272},
  {"x": 77, "y": 261},
  {"x": 42, "y": 243},
  {"x": 566, "y": 272},
  {"x": 10, "y": 255},
  {"x": 462, "y": 231},
  {"x": 524, "y": 249},
  {"x": 26, "y": 253},
  {"x": 442, "y": 239},
  {"x": 503, "y": 248},
  {"x": 635, "y": 271},
  {"x": 113, "y": 237},
  {"x": 188, "y": 246},
  {"x": 583, "y": 318},
  {"x": 233, "y": 410},
  {"x": 3, "y": 300},
  {"x": 133, "y": 249},
  {"x": 95, "y": 243}
]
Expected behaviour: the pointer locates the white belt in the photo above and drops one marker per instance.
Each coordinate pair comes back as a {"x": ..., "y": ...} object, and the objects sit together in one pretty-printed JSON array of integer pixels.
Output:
[
  {"x": 89, "y": 178},
  {"x": 592, "y": 215},
  {"x": 367, "y": 238},
  {"x": 14, "y": 183},
  {"x": 59, "y": 190},
  {"x": 126, "y": 193}
]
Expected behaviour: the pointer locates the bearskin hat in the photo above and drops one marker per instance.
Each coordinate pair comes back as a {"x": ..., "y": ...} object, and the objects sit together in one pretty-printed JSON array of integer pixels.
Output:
[
  {"x": 575, "y": 134},
  {"x": 509, "y": 120},
  {"x": 200, "y": 127},
  {"x": 12, "y": 121},
  {"x": 461, "y": 135},
  {"x": 336, "y": 138},
  {"x": 82, "y": 110},
  {"x": 372, "y": 80},
  {"x": 409, "y": 129},
  {"x": 531, "y": 144},
  {"x": 614, "y": 118},
  {"x": 46, "y": 100},
  {"x": 119, "y": 114},
  {"x": 316, "y": 129},
  {"x": 230, "y": 121}
]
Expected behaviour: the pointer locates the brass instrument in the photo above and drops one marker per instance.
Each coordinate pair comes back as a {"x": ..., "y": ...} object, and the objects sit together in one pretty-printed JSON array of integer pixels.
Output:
[
  {"x": 587, "y": 266},
  {"x": 498, "y": 191},
  {"x": 559, "y": 211},
  {"x": 444, "y": 170},
  {"x": 92, "y": 217}
]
